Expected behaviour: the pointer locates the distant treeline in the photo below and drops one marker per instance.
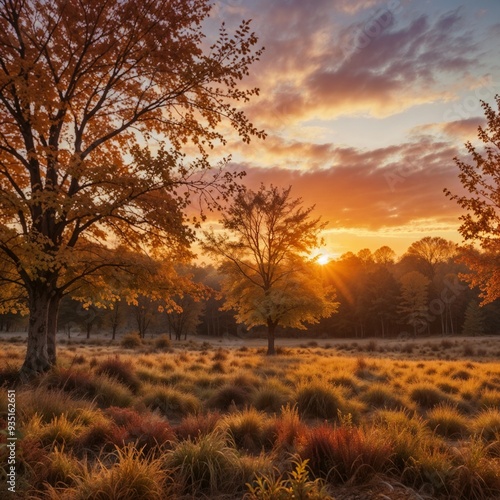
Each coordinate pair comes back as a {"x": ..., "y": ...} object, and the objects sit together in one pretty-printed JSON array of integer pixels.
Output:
[{"x": 379, "y": 295}]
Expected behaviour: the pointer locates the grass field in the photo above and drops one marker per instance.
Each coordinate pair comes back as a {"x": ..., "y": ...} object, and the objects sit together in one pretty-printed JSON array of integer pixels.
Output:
[{"x": 322, "y": 419}]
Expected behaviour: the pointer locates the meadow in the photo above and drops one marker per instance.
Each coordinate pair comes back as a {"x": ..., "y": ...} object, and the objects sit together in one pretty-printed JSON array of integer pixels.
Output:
[{"x": 323, "y": 419}]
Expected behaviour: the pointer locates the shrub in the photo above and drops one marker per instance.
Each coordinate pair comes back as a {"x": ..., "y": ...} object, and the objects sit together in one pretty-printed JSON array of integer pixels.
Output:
[
  {"x": 220, "y": 355},
  {"x": 427, "y": 395},
  {"x": 318, "y": 400},
  {"x": 133, "y": 476},
  {"x": 407, "y": 434},
  {"x": 476, "y": 476},
  {"x": 101, "y": 436},
  {"x": 246, "y": 429},
  {"x": 271, "y": 396},
  {"x": 148, "y": 430},
  {"x": 60, "y": 430},
  {"x": 487, "y": 424},
  {"x": 296, "y": 485},
  {"x": 227, "y": 396},
  {"x": 446, "y": 421},
  {"x": 289, "y": 430},
  {"x": 59, "y": 469},
  {"x": 381, "y": 396},
  {"x": 345, "y": 453},
  {"x": 461, "y": 375},
  {"x": 431, "y": 469},
  {"x": 109, "y": 392},
  {"x": 345, "y": 380},
  {"x": 170, "y": 402},
  {"x": 205, "y": 466},
  {"x": 163, "y": 343},
  {"x": 131, "y": 340},
  {"x": 194, "y": 426},
  {"x": 48, "y": 404},
  {"x": 102, "y": 389},
  {"x": 121, "y": 371}
]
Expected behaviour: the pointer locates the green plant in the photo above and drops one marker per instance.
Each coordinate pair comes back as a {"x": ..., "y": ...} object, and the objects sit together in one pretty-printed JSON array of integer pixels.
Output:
[{"x": 296, "y": 485}]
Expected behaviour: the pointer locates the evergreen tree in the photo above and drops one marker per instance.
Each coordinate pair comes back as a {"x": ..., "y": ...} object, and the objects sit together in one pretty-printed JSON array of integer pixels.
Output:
[{"x": 474, "y": 320}]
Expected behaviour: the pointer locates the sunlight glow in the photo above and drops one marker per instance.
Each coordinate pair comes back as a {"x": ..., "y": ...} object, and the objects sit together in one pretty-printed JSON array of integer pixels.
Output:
[{"x": 323, "y": 259}]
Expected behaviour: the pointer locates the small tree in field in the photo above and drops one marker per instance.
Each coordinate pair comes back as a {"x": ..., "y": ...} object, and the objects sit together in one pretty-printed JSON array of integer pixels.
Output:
[
  {"x": 263, "y": 253},
  {"x": 481, "y": 220},
  {"x": 84, "y": 85}
]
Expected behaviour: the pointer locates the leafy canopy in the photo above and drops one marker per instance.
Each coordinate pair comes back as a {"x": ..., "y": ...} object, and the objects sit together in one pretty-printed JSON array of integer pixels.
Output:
[
  {"x": 481, "y": 204},
  {"x": 263, "y": 252}
]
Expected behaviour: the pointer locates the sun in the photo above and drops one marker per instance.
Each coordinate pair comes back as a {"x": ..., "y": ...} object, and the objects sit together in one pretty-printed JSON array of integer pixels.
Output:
[{"x": 323, "y": 259}]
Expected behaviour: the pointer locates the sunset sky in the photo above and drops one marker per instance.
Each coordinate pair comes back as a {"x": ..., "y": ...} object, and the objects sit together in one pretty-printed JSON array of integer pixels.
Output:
[{"x": 365, "y": 104}]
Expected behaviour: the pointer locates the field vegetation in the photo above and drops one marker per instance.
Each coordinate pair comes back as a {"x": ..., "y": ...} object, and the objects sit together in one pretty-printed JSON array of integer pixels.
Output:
[{"x": 404, "y": 419}]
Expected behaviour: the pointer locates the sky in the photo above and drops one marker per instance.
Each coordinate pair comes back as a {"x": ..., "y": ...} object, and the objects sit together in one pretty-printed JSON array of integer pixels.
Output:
[{"x": 365, "y": 105}]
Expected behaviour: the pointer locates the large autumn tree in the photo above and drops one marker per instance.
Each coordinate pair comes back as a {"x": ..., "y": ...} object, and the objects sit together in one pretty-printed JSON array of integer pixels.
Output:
[
  {"x": 480, "y": 176},
  {"x": 84, "y": 86},
  {"x": 263, "y": 250}
]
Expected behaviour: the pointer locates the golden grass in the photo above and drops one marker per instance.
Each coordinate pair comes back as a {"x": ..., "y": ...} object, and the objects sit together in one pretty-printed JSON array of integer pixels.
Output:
[{"x": 422, "y": 414}]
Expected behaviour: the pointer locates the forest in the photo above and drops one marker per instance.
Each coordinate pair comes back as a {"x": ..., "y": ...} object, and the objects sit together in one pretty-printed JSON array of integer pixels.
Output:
[{"x": 380, "y": 295}]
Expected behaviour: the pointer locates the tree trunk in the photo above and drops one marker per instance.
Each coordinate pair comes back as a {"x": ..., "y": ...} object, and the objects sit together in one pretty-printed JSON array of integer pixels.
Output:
[
  {"x": 271, "y": 328},
  {"x": 53, "y": 314},
  {"x": 37, "y": 358}
]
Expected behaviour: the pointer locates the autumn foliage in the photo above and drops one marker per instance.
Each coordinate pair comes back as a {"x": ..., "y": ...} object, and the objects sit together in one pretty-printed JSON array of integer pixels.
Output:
[
  {"x": 481, "y": 204},
  {"x": 84, "y": 87}
]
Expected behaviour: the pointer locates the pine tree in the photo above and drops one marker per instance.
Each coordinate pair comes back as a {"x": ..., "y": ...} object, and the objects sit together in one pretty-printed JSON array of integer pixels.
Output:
[{"x": 474, "y": 320}]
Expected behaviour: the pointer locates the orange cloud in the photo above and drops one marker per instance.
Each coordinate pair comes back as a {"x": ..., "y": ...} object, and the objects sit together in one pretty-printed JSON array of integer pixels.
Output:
[{"x": 377, "y": 189}]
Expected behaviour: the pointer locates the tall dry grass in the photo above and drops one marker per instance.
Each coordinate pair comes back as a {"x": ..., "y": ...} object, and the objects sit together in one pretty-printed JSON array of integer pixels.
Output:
[{"x": 168, "y": 420}]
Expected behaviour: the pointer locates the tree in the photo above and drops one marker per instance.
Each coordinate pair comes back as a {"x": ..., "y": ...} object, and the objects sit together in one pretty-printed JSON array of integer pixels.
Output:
[
  {"x": 384, "y": 255},
  {"x": 474, "y": 320},
  {"x": 263, "y": 249},
  {"x": 383, "y": 291},
  {"x": 186, "y": 318},
  {"x": 84, "y": 84},
  {"x": 414, "y": 304},
  {"x": 481, "y": 220},
  {"x": 431, "y": 251}
]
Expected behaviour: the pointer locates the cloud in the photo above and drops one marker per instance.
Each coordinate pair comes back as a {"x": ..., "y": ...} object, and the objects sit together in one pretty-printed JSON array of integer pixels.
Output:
[
  {"x": 388, "y": 187},
  {"x": 380, "y": 65},
  {"x": 464, "y": 129}
]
